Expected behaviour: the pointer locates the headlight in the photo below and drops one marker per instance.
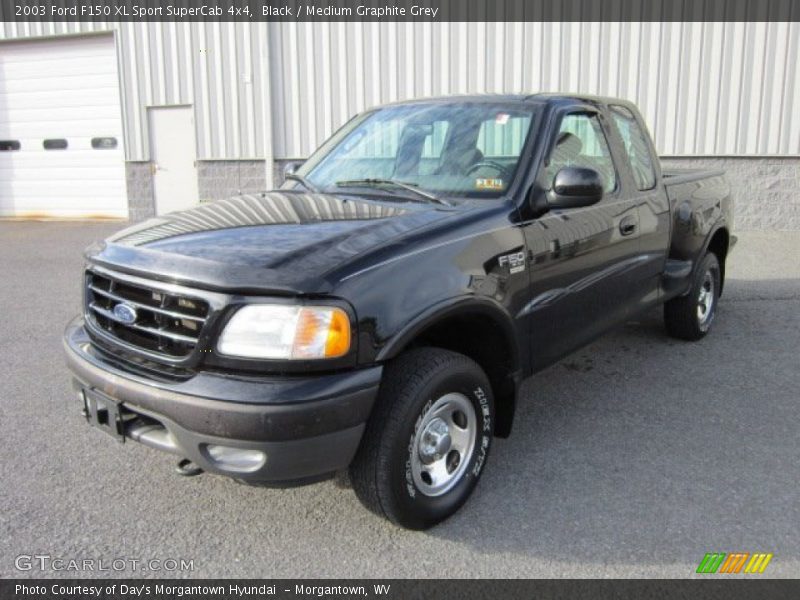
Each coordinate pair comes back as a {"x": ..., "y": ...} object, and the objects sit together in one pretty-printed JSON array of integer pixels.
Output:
[{"x": 278, "y": 331}]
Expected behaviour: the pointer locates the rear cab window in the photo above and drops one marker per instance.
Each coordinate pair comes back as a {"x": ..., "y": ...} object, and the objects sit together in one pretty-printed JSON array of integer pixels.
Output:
[{"x": 636, "y": 147}]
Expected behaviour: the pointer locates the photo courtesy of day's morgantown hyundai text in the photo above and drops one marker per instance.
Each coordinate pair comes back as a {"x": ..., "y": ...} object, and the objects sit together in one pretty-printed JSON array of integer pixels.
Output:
[{"x": 378, "y": 312}]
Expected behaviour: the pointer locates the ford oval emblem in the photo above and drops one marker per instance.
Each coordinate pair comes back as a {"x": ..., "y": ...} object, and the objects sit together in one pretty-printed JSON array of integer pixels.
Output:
[{"x": 125, "y": 313}]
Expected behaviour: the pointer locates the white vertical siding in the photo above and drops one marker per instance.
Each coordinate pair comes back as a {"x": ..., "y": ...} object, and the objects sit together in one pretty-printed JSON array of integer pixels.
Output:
[{"x": 704, "y": 88}]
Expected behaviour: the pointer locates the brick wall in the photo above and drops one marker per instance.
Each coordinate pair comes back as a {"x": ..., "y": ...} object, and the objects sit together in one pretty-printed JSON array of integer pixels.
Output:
[
  {"x": 139, "y": 183},
  {"x": 218, "y": 179},
  {"x": 766, "y": 190}
]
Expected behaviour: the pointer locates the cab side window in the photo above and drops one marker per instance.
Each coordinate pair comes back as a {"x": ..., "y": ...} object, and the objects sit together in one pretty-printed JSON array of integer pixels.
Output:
[
  {"x": 636, "y": 147},
  {"x": 581, "y": 143}
]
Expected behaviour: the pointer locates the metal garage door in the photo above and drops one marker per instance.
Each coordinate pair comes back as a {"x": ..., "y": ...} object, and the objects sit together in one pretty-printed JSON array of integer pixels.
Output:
[{"x": 61, "y": 150}]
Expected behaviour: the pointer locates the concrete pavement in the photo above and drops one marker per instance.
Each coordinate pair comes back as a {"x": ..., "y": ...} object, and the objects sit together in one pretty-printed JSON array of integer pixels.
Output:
[{"x": 632, "y": 458}]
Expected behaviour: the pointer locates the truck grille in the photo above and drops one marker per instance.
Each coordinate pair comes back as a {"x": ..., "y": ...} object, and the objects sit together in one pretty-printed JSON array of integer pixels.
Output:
[{"x": 154, "y": 320}]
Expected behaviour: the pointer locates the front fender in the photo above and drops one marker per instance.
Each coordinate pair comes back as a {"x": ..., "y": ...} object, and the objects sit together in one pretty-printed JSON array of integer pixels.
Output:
[
  {"x": 502, "y": 364},
  {"x": 450, "y": 308}
]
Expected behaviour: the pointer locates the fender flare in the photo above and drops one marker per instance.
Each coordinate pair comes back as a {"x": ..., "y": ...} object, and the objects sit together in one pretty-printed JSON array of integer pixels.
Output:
[
  {"x": 721, "y": 223},
  {"x": 453, "y": 307},
  {"x": 507, "y": 390}
]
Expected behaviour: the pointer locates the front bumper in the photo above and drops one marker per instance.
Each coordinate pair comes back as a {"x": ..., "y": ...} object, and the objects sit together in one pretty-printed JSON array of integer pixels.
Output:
[{"x": 306, "y": 427}]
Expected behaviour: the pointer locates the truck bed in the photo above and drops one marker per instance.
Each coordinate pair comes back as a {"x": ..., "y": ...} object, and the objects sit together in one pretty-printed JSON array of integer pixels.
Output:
[{"x": 677, "y": 176}]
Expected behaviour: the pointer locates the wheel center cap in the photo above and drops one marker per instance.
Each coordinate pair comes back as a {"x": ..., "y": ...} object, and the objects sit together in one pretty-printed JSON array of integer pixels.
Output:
[{"x": 434, "y": 443}]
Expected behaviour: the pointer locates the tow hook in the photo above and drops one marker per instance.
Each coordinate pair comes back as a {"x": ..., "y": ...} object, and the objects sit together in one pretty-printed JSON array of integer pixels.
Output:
[{"x": 187, "y": 468}]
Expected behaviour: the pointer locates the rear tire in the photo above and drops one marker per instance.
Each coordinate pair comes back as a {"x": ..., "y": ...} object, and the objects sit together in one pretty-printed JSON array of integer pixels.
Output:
[
  {"x": 427, "y": 439},
  {"x": 690, "y": 317}
]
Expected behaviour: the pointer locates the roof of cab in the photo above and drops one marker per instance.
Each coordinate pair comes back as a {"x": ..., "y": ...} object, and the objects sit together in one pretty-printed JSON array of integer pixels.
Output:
[{"x": 544, "y": 97}]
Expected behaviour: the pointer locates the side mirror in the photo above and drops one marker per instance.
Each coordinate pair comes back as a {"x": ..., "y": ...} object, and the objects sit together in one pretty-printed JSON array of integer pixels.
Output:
[
  {"x": 574, "y": 187},
  {"x": 291, "y": 167}
]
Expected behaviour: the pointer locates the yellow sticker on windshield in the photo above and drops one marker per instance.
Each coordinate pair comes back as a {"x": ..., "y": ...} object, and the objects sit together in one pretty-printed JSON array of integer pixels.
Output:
[{"x": 488, "y": 184}]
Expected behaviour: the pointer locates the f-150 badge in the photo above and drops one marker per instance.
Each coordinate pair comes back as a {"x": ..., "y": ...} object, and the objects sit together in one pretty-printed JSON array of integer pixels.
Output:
[{"x": 515, "y": 262}]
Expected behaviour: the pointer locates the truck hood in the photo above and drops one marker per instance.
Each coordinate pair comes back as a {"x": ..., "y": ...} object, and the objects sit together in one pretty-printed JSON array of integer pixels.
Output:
[{"x": 274, "y": 242}]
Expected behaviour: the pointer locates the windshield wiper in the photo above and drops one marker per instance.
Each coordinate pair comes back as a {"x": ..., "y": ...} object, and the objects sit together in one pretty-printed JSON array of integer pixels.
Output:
[
  {"x": 305, "y": 182},
  {"x": 411, "y": 187}
]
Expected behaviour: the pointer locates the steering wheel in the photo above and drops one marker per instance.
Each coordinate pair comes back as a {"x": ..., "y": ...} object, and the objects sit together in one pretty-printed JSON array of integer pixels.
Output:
[{"x": 501, "y": 169}]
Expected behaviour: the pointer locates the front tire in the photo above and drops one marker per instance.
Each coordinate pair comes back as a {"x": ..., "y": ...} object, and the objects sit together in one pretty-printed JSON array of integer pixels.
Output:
[
  {"x": 689, "y": 317},
  {"x": 427, "y": 439}
]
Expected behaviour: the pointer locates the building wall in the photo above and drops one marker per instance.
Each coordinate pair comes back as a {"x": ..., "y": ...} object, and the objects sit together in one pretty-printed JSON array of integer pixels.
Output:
[
  {"x": 265, "y": 91},
  {"x": 704, "y": 88},
  {"x": 222, "y": 178},
  {"x": 766, "y": 190},
  {"x": 141, "y": 195}
]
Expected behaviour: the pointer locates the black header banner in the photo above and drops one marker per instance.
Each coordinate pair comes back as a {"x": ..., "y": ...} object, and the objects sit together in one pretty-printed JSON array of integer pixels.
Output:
[{"x": 399, "y": 10}]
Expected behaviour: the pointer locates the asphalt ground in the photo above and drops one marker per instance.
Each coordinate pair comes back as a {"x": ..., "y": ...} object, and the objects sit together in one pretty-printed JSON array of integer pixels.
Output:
[{"x": 632, "y": 458}]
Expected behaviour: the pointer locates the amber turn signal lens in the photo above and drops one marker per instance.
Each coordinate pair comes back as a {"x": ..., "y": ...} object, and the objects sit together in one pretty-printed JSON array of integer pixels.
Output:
[
  {"x": 321, "y": 332},
  {"x": 338, "y": 342}
]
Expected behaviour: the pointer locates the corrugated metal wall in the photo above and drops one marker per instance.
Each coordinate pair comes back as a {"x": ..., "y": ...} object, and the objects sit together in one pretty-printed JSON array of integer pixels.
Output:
[{"x": 705, "y": 88}]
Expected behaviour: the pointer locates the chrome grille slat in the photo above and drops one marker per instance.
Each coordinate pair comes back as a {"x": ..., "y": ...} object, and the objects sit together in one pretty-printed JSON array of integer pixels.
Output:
[
  {"x": 168, "y": 319},
  {"x": 161, "y": 311},
  {"x": 158, "y": 332}
]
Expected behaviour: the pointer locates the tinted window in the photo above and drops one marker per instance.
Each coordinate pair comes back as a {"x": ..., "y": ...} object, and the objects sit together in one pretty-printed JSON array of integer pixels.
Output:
[
  {"x": 432, "y": 148},
  {"x": 582, "y": 143},
  {"x": 434, "y": 142},
  {"x": 104, "y": 143},
  {"x": 636, "y": 147},
  {"x": 503, "y": 135},
  {"x": 8, "y": 145},
  {"x": 55, "y": 144}
]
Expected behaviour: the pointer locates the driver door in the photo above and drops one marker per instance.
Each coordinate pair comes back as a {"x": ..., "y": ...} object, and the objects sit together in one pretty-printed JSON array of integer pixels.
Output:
[{"x": 580, "y": 258}]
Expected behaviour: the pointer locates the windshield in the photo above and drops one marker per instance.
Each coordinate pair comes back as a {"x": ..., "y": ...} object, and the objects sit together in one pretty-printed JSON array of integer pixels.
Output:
[{"x": 453, "y": 149}]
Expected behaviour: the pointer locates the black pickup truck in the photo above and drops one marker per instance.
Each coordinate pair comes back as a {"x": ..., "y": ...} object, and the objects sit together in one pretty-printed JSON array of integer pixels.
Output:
[{"x": 379, "y": 312}]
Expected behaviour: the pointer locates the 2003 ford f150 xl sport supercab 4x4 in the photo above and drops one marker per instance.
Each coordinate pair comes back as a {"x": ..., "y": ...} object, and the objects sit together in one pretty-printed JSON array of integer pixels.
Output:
[{"x": 379, "y": 311}]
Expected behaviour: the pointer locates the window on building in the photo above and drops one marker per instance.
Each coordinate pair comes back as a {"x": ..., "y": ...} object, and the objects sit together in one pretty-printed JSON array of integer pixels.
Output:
[
  {"x": 582, "y": 143},
  {"x": 55, "y": 144},
  {"x": 9, "y": 145},
  {"x": 104, "y": 143},
  {"x": 636, "y": 147}
]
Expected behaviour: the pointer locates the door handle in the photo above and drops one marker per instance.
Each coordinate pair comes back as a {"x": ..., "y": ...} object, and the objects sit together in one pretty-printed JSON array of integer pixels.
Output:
[{"x": 627, "y": 226}]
